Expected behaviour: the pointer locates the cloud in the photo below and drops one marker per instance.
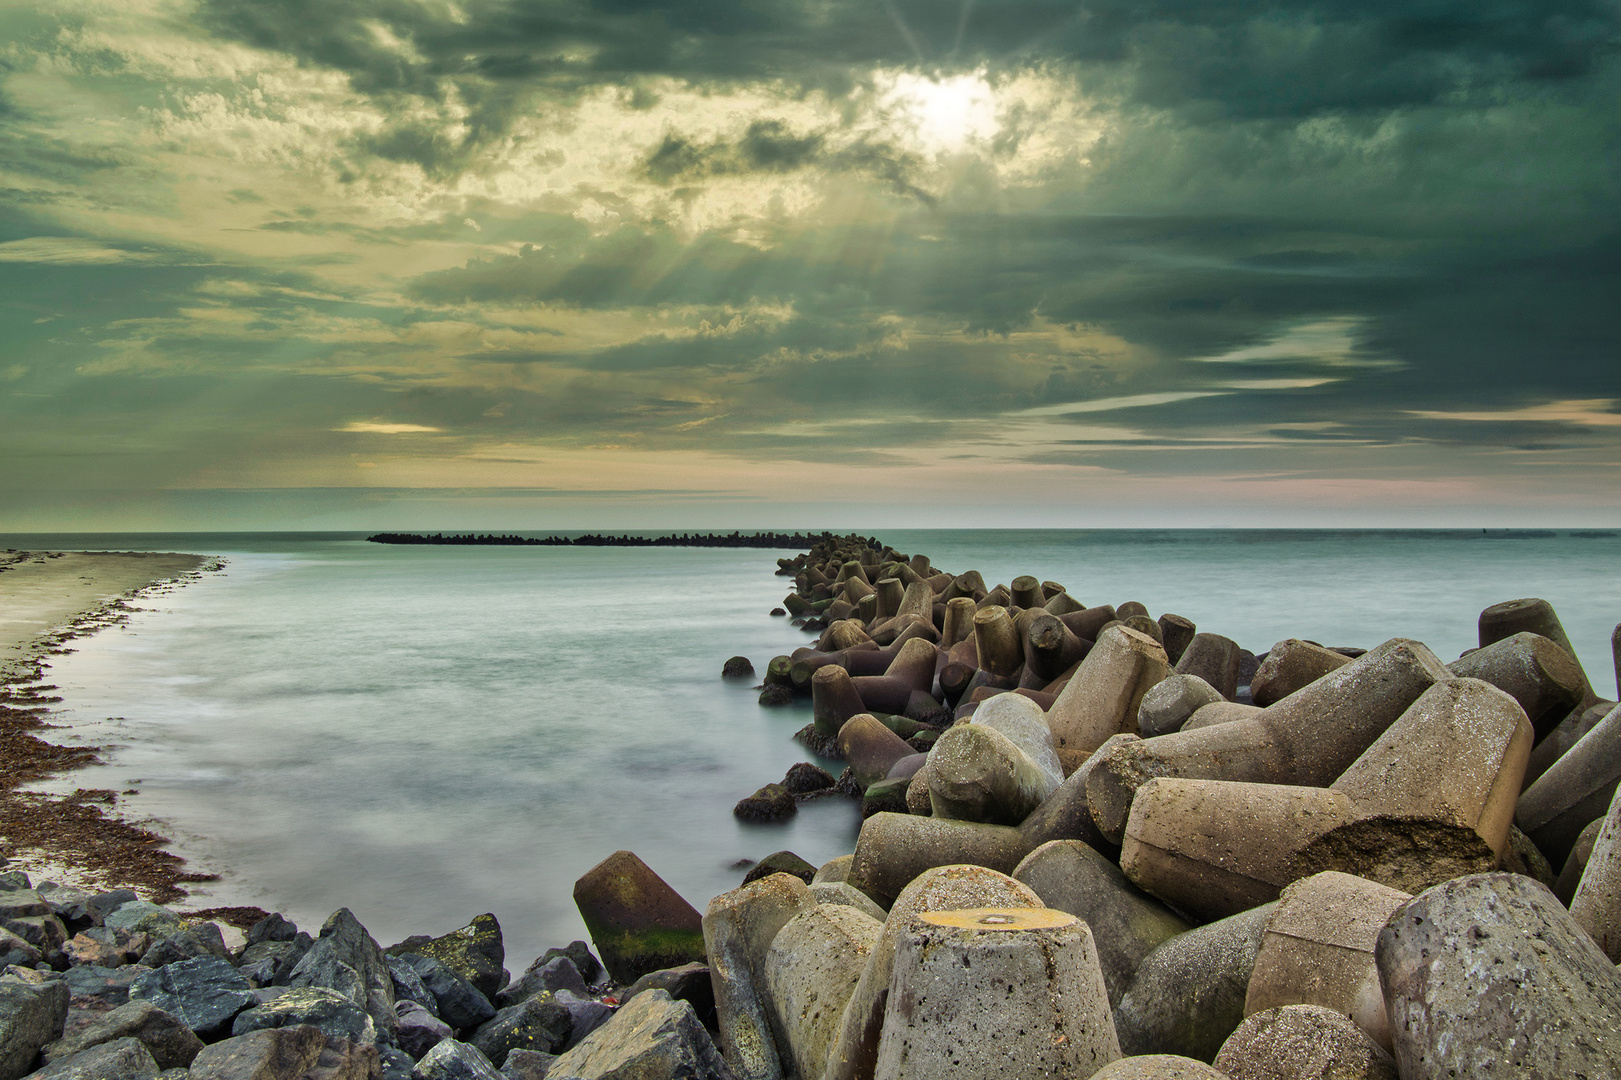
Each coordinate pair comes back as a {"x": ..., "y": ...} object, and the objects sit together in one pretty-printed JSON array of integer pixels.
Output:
[
  {"x": 1595, "y": 412},
  {"x": 375, "y": 427},
  {"x": 69, "y": 251}
]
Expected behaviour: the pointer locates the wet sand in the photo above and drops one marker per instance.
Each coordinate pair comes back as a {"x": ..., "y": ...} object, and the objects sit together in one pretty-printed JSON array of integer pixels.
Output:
[{"x": 47, "y": 599}]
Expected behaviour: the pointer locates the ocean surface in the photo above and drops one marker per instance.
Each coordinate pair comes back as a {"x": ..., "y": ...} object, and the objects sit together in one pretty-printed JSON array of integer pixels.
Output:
[{"x": 423, "y": 734}]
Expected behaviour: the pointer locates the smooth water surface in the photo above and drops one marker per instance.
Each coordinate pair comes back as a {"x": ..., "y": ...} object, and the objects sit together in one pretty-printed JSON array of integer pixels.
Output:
[{"x": 426, "y": 733}]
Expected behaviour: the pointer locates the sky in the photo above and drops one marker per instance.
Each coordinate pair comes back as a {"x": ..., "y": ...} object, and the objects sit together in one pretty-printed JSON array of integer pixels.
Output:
[{"x": 531, "y": 264}]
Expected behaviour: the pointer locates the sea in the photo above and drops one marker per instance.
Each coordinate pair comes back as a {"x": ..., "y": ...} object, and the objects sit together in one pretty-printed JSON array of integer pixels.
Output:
[{"x": 423, "y": 734}]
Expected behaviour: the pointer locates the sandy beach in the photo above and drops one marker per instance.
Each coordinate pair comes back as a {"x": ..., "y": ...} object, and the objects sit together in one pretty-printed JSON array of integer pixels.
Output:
[{"x": 47, "y": 599}]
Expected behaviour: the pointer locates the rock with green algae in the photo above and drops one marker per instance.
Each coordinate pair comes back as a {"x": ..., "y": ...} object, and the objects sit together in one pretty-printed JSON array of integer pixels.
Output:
[{"x": 475, "y": 952}]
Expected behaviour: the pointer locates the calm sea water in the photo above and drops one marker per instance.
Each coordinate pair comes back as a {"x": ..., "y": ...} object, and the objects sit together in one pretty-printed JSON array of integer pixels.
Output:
[{"x": 424, "y": 734}]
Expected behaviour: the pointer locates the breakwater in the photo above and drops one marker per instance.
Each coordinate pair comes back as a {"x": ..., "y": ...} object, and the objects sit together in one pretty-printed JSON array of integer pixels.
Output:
[
  {"x": 1118, "y": 843},
  {"x": 707, "y": 540}
]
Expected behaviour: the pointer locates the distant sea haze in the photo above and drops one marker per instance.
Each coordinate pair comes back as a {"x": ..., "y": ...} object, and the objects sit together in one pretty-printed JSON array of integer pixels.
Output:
[{"x": 423, "y": 733}]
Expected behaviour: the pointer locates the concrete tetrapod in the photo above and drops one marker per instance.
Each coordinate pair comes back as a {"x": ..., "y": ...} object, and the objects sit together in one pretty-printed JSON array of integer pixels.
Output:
[
  {"x": 1214, "y": 659},
  {"x": 1431, "y": 799},
  {"x": 1488, "y": 975},
  {"x": 1001, "y": 652},
  {"x": 1188, "y": 995},
  {"x": 1064, "y": 815},
  {"x": 1576, "y": 789},
  {"x": 1570, "y": 875},
  {"x": 1158, "y": 1067},
  {"x": 638, "y": 922},
  {"x": 1291, "y": 665},
  {"x": 1104, "y": 695},
  {"x": 1169, "y": 704},
  {"x": 1303, "y": 1042},
  {"x": 871, "y": 748},
  {"x": 1126, "y": 923},
  {"x": 1024, "y": 722},
  {"x": 1536, "y": 672},
  {"x": 1538, "y": 616},
  {"x": 1008, "y": 992},
  {"x": 1596, "y": 905},
  {"x": 739, "y": 927},
  {"x": 892, "y": 849},
  {"x": 976, "y": 773},
  {"x": 943, "y": 888},
  {"x": 1308, "y": 738},
  {"x": 1220, "y": 712},
  {"x": 1318, "y": 950},
  {"x": 813, "y": 968}
]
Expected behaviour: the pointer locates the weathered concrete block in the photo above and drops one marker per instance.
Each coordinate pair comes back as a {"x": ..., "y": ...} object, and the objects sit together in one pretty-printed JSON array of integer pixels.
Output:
[
  {"x": 1570, "y": 876},
  {"x": 835, "y": 869},
  {"x": 1541, "y": 676},
  {"x": 812, "y": 970},
  {"x": 1158, "y": 1067},
  {"x": 1064, "y": 815},
  {"x": 854, "y": 1052},
  {"x": 1303, "y": 1042},
  {"x": 1105, "y": 693},
  {"x": 1219, "y": 712},
  {"x": 1188, "y": 996},
  {"x": 1309, "y": 738},
  {"x": 871, "y": 748},
  {"x": 976, "y": 773},
  {"x": 834, "y": 699},
  {"x": 843, "y": 893},
  {"x": 738, "y": 929},
  {"x": 1126, "y": 923},
  {"x": 1516, "y": 616},
  {"x": 1318, "y": 950},
  {"x": 1566, "y": 734},
  {"x": 1576, "y": 789},
  {"x": 637, "y": 922},
  {"x": 1488, "y": 975},
  {"x": 1291, "y": 665},
  {"x": 651, "y": 1037},
  {"x": 1596, "y": 903},
  {"x": 996, "y": 639},
  {"x": 1168, "y": 704},
  {"x": 1025, "y": 723},
  {"x": 1012, "y": 992},
  {"x": 895, "y": 848},
  {"x": 1214, "y": 659}
]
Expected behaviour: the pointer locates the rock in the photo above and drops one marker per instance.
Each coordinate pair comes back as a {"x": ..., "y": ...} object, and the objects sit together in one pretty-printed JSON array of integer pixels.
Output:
[
  {"x": 1188, "y": 996},
  {"x": 780, "y": 862},
  {"x": 1126, "y": 923},
  {"x": 452, "y": 1060},
  {"x": 101, "y": 989},
  {"x": 651, "y": 1038},
  {"x": 333, "y": 1013},
  {"x": 118, "y": 1059},
  {"x": 475, "y": 952},
  {"x": 70, "y": 905},
  {"x": 1168, "y": 704},
  {"x": 737, "y": 667},
  {"x": 30, "y": 1017},
  {"x": 272, "y": 928},
  {"x": 1303, "y": 1042},
  {"x": 851, "y": 1056},
  {"x": 532, "y": 1064},
  {"x": 1488, "y": 975},
  {"x": 639, "y": 923},
  {"x": 775, "y": 694},
  {"x": 1158, "y": 1067},
  {"x": 689, "y": 982},
  {"x": 198, "y": 939},
  {"x": 102, "y": 904},
  {"x": 205, "y": 993},
  {"x": 1318, "y": 950},
  {"x": 538, "y": 1023},
  {"x": 19, "y": 903},
  {"x": 17, "y": 951},
  {"x": 138, "y": 916},
  {"x": 418, "y": 1030},
  {"x": 739, "y": 927},
  {"x": 804, "y": 778},
  {"x": 265, "y": 963},
  {"x": 272, "y": 1054},
  {"x": 166, "y": 1037},
  {"x": 454, "y": 999},
  {"x": 770, "y": 803},
  {"x": 101, "y": 946},
  {"x": 1105, "y": 694},
  {"x": 1309, "y": 738},
  {"x": 1291, "y": 665},
  {"x": 346, "y": 959},
  {"x": 812, "y": 968},
  {"x": 558, "y": 973},
  {"x": 589, "y": 967},
  {"x": 44, "y": 932},
  {"x": 587, "y": 1014},
  {"x": 977, "y": 989}
]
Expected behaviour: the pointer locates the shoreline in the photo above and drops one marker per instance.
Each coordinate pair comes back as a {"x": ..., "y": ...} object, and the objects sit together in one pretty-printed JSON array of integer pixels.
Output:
[{"x": 87, "y": 836}]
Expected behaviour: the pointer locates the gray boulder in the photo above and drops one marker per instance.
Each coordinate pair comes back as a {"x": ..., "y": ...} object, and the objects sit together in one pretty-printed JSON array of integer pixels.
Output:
[
  {"x": 558, "y": 973},
  {"x": 120, "y": 1059},
  {"x": 205, "y": 993},
  {"x": 166, "y": 1037},
  {"x": 653, "y": 1037},
  {"x": 418, "y": 1030},
  {"x": 346, "y": 959},
  {"x": 30, "y": 1017},
  {"x": 541, "y": 1023},
  {"x": 475, "y": 952},
  {"x": 527, "y": 1065},
  {"x": 139, "y": 916},
  {"x": 199, "y": 939},
  {"x": 454, "y": 999},
  {"x": 331, "y": 1012},
  {"x": 452, "y": 1060}
]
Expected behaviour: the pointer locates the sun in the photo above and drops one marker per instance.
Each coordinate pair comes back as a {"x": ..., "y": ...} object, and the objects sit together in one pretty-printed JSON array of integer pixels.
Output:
[{"x": 945, "y": 114}]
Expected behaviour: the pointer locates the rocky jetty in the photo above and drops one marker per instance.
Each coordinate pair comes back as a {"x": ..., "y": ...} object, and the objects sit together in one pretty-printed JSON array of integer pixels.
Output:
[{"x": 1098, "y": 844}]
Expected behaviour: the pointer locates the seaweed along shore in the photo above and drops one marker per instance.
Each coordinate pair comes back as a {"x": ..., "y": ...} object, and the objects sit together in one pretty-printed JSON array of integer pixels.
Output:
[{"x": 1097, "y": 843}]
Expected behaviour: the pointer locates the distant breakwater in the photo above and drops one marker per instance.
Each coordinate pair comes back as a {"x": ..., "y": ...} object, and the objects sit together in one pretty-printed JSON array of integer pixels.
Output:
[{"x": 716, "y": 540}]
